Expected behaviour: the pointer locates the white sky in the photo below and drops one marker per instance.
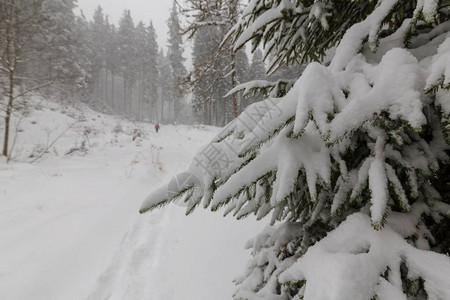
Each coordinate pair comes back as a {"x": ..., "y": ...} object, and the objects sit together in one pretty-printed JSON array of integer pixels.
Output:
[{"x": 141, "y": 10}]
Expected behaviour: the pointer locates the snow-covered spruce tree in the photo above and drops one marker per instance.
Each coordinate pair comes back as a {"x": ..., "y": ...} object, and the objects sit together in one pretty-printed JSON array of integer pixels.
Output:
[
  {"x": 127, "y": 61},
  {"x": 147, "y": 71},
  {"x": 208, "y": 80},
  {"x": 351, "y": 165},
  {"x": 175, "y": 56},
  {"x": 165, "y": 91},
  {"x": 112, "y": 57},
  {"x": 151, "y": 71},
  {"x": 97, "y": 41},
  {"x": 215, "y": 17}
]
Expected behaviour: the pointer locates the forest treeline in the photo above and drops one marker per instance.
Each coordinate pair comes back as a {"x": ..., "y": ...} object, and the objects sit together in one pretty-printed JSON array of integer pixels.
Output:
[
  {"x": 117, "y": 68},
  {"x": 47, "y": 47}
]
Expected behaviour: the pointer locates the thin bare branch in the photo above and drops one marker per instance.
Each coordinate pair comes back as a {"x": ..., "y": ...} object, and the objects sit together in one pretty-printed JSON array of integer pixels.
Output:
[{"x": 53, "y": 142}]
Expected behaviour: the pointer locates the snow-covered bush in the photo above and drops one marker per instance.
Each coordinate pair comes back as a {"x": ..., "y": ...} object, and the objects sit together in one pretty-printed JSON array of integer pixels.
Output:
[{"x": 352, "y": 164}]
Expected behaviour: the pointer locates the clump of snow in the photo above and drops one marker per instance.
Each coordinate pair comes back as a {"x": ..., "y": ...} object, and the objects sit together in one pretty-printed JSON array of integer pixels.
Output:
[
  {"x": 396, "y": 89},
  {"x": 428, "y": 8},
  {"x": 318, "y": 97},
  {"x": 346, "y": 255},
  {"x": 355, "y": 35},
  {"x": 287, "y": 157},
  {"x": 440, "y": 67}
]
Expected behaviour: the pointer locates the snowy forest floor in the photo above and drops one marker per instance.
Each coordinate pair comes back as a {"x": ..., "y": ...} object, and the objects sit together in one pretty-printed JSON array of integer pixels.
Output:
[{"x": 69, "y": 222}]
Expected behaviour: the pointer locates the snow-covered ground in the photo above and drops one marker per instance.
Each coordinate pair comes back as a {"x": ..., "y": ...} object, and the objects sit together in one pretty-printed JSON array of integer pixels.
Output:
[{"x": 69, "y": 222}]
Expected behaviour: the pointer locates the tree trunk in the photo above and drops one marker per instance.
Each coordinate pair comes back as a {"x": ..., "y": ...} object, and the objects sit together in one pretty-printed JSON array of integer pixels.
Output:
[
  {"x": 140, "y": 102},
  {"x": 11, "y": 64},
  {"x": 234, "y": 84},
  {"x": 140, "y": 94},
  {"x": 112, "y": 91},
  {"x": 106, "y": 85},
  {"x": 9, "y": 108},
  {"x": 233, "y": 11},
  {"x": 130, "y": 99},
  {"x": 205, "y": 111},
  {"x": 162, "y": 109},
  {"x": 125, "y": 106}
]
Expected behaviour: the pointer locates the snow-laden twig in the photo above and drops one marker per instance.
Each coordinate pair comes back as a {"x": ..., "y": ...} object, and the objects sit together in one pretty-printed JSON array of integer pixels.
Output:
[{"x": 53, "y": 142}]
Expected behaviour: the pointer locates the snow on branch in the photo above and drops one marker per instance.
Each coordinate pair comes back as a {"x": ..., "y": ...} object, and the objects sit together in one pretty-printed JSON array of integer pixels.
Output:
[
  {"x": 439, "y": 73},
  {"x": 265, "y": 87},
  {"x": 351, "y": 164},
  {"x": 353, "y": 248}
]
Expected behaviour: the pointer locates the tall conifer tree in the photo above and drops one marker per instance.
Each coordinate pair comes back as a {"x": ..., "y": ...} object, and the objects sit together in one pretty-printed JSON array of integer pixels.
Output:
[
  {"x": 127, "y": 54},
  {"x": 151, "y": 72},
  {"x": 175, "y": 56}
]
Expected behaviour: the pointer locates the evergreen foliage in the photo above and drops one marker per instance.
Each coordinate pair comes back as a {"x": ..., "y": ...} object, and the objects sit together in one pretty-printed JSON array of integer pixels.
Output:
[
  {"x": 150, "y": 74},
  {"x": 124, "y": 66},
  {"x": 46, "y": 48},
  {"x": 127, "y": 54},
  {"x": 242, "y": 69},
  {"x": 221, "y": 68},
  {"x": 98, "y": 32},
  {"x": 351, "y": 164},
  {"x": 165, "y": 86},
  {"x": 205, "y": 60},
  {"x": 38, "y": 49},
  {"x": 61, "y": 39},
  {"x": 175, "y": 56}
]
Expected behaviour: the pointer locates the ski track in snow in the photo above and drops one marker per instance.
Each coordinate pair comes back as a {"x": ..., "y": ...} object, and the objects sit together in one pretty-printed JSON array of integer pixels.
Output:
[
  {"x": 130, "y": 274},
  {"x": 70, "y": 227}
]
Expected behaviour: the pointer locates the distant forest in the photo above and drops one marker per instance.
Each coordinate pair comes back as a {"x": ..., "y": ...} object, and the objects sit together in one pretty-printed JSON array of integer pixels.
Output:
[{"x": 120, "y": 69}]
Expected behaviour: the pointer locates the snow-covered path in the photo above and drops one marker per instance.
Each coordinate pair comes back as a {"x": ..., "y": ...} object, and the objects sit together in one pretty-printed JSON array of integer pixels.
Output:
[{"x": 70, "y": 228}]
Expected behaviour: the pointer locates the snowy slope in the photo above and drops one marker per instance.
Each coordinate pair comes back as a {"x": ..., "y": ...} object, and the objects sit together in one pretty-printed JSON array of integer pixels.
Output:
[{"x": 69, "y": 222}]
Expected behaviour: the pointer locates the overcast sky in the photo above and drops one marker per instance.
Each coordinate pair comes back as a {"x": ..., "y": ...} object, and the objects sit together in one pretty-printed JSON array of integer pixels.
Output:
[{"x": 141, "y": 10}]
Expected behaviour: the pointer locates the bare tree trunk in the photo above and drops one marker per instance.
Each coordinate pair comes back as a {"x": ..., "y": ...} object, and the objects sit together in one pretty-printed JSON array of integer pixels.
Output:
[
  {"x": 106, "y": 85},
  {"x": 112, "y": 92},
  {"x": 141, "y": 93},
  {"x": 169, "y": 108},
  {"x": 10, "y": 60},
  {"x": 162, "y": 109},
  {"x": 210, "y": 111},
  {"x": 154, "y": 110},
  {"x": 9, "y": 109},
  {"x": 140, "y": 101},
  {"x": 130, "y": 99},
  {"x": 16, "y": 25},
  {"x": 125, "y": 106},
  {"x": 233, "y": 11},
  {"x": 205, "y": 111},
  {"x": 172, "y": 109}
]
